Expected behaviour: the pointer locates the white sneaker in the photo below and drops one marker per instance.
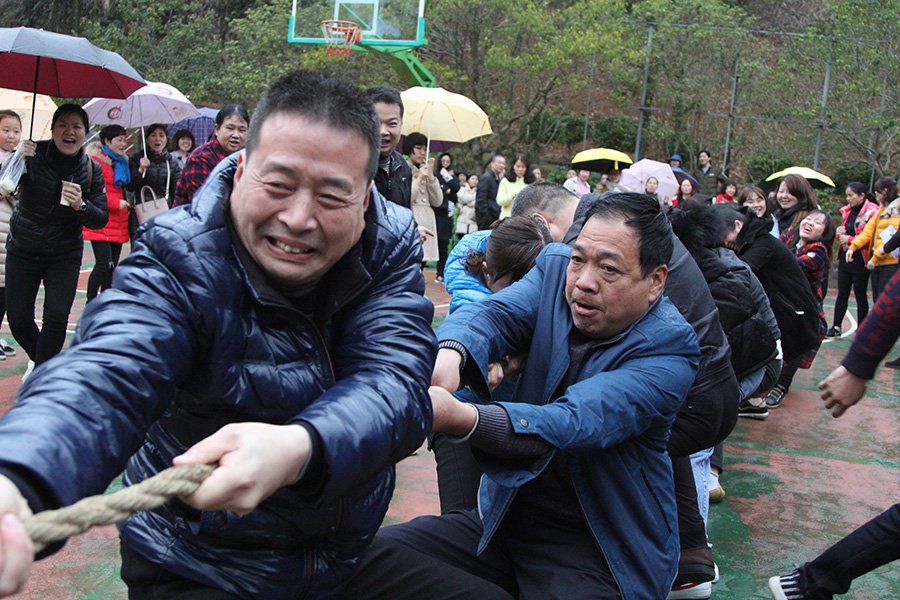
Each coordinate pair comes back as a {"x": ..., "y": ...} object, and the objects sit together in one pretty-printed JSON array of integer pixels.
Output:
[
  {"x": 28, "y": 370},
  {"x": 6, "y": 349},
  {"x": 691, "y": 591}
]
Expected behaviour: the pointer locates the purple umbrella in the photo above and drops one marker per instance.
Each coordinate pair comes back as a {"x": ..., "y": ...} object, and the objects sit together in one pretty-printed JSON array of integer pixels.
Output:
[{"x": 201, "y": 127}]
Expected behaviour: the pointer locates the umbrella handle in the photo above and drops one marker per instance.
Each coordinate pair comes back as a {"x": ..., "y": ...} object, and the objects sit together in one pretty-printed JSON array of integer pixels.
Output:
[{"x": 37, "y": 70}]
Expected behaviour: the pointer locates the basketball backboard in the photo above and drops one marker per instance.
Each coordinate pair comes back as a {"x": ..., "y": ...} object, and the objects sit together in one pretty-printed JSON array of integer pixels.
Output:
[{"x": 382, "y": 22}]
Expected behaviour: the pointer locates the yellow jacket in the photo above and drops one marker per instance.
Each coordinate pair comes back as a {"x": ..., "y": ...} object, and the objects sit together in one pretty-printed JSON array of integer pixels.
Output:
[
  {"x": 870, "y": 237},
  {"x": 506, "y": 193}
]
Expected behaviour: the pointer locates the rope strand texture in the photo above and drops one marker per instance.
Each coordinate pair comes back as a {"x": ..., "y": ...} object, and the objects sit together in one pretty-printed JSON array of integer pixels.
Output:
[{"x": 54, "y": 525}]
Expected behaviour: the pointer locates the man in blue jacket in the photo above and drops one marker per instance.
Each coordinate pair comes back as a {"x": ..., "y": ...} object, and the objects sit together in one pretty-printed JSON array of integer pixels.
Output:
[
  {"x": 577, "y": 499},
  {"x": 276, "y": 326}
]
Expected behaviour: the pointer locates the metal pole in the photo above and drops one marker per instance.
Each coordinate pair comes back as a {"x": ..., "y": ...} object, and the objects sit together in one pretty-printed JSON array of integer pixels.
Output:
[
  {"x": 874, "y": 154},
  {"x": 824, "y": 103},
  {"x": 734, "y": 83},
  {"x": 640, "y": 127},
  {"x": 37, "y": 70},
  {"x": 587, "y": 110}
]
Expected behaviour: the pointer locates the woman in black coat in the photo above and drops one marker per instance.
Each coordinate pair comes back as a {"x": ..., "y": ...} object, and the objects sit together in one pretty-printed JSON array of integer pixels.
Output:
[
  {"x": 155, "y": 168},
  {"x": 443, "y": 214},
  {"x": 776, "y": 267},
  {"x": 61, "y": 192}
]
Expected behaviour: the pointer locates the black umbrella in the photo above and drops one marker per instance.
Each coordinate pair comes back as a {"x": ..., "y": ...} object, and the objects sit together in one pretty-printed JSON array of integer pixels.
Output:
[{"x": 43, "y": 62}]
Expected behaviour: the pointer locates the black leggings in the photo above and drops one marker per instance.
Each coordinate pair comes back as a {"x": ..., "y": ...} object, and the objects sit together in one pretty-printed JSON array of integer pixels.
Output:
[
  {"x": 24, "y": 277},
  {"x": 106, "y": 257},
  {"x": 859, "y": 281}
]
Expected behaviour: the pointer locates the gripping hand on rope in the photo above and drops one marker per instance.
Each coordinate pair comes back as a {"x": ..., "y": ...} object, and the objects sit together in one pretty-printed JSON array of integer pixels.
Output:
[
  {"x": 16, "y": 549},
  {"x": 255, "y": 460}
]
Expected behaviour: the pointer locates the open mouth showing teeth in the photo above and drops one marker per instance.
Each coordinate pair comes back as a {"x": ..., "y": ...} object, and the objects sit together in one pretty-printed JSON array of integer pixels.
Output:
[{"x": 291, "y": 249}]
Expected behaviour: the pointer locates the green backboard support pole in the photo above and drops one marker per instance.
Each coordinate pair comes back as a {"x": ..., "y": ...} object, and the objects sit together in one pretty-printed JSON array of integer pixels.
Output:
[{"x": 406, "y": 64}]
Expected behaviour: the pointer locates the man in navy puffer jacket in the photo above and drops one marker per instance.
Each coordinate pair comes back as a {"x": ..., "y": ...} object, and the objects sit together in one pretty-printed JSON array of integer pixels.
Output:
[{"x": 276, "y": 326}]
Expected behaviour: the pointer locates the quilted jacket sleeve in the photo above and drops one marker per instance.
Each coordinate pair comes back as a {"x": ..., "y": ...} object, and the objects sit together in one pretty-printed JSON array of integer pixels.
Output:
[
  {"x": 99, "y": 397},
  {"x": 378, "y": 411}
]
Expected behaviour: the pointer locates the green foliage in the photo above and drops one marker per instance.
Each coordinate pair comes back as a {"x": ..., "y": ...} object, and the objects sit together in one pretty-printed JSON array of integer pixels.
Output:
[
  {"x": 529, "y": 64},
  {"x": 762, "y": 164},
  {"x": 614, "y": 132},
  {"x": 858, "y": 171}
]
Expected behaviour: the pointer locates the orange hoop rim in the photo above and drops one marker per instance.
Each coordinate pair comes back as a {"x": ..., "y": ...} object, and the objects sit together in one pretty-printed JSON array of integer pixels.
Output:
[{"x": 340, "y": 36}]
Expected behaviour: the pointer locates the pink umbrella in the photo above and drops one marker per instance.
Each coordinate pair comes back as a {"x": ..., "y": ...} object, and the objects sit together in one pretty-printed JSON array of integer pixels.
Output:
[{"x": 635, "y": 177}]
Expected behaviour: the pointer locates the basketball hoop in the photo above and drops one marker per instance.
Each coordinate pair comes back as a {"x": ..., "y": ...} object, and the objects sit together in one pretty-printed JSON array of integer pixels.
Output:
[{"x": 340, "y": 36}]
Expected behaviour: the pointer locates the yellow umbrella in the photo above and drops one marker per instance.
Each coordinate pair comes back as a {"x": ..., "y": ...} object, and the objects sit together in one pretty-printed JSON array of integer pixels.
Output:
[
  {"x": 600, "y": 159},
  {"x": 815, "y": 178},
  {"x": 21, "y": 103},
  {"x": 443, "y": 115}
]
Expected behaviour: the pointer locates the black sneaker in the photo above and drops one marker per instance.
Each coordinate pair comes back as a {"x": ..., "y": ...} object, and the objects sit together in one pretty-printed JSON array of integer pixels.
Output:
[
  {"x": 751, "y": 411},
  {"x": 776, "y": 396},
  {"x": 786, "y": 587},
  {"x": 834, "y": 332},
  {"x": 894, "y": 364}
]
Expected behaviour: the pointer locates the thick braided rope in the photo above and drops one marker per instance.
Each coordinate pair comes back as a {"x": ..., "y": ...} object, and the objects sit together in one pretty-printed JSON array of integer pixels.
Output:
[{"x": 54, "y": 525}]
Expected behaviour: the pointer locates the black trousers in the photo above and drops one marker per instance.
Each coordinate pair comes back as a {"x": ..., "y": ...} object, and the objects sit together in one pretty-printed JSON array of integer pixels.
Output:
[
  {"x": 528, "y": 558},
  {"x": 443, "y": 245},
  {"x": 880, "y": 276},
  {"x": 23, "y": 279},
  {"x": 458, "y": 475},
  {"x": 874, "y": 544},
  {"x": 858, "y": 280},
  {"x": 106, "y": 258},
  {"x": 705, "y": 420},
  {"x": 148, "y": 581}
]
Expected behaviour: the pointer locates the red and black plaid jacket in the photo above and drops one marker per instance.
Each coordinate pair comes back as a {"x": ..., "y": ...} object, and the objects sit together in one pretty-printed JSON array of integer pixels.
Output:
[
  {"x": 877, "y": 333},
  {"x": 196, "y": 169}
]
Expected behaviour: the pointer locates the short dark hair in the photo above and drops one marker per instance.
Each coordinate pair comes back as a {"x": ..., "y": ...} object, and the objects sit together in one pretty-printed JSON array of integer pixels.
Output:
[
  {"x": 642, "y": 214},
  {"x": 543, "y": 197},
  {"x": 858, "y": 187},
  {"x": 151, "y": 128},
  {"x": 323, "y": 99},
  {"x": 10, "y": 114},
  {"x": 182, "y": 133},
  {"x": 70, "y": 109},
  {"x": 412, "y": 140},
  {"x": 111, "y": 131},
  {"x": 385, "y": 95},
  {"x": 725, "y": 185},
  {"x": 229, "y": 110},
  {"x": 706, "y": 152}
]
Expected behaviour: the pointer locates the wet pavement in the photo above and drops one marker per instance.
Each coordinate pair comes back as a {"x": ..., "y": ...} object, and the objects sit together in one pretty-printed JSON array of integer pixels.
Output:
[{"x": 795, "y": 484}]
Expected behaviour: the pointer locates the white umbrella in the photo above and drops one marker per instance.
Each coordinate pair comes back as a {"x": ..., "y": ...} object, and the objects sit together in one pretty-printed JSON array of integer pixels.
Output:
[
  {"x": 23, "y": 103},
  {"x": 635, "y": 177},
  {"x": 154, "y": 103}
]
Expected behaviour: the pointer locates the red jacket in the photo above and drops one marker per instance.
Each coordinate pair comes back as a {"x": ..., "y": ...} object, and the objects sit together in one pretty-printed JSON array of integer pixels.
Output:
[
  {"x": 116, "y": 229},
  {"x": 867, "y": 211}
]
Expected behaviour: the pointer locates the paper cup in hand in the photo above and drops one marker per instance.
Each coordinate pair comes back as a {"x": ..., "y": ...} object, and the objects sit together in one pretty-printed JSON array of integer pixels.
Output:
[{"x": 68, "y": 185}]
